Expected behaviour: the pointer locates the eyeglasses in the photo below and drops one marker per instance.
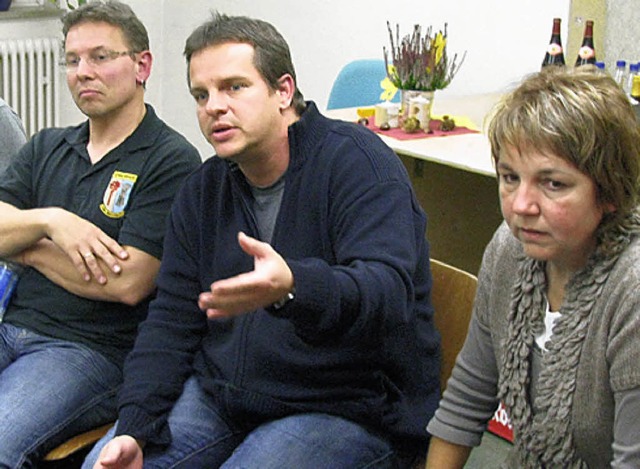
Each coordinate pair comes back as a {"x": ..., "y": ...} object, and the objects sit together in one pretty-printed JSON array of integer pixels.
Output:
[{"x": 96, "y": 58}]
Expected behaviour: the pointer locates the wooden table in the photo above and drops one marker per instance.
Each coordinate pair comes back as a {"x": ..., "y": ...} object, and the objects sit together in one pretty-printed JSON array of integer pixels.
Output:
[{"x": 454, "y": 181}]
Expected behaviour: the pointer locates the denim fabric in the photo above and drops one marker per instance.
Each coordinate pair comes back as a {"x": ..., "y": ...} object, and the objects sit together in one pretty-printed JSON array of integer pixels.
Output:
[
  {"x": 50, "y": 390},
  {"x": 202, "y": 437}
]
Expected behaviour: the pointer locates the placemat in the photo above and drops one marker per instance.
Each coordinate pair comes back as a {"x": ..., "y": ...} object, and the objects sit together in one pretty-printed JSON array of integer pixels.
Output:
[{"x": 434, "y": 125}]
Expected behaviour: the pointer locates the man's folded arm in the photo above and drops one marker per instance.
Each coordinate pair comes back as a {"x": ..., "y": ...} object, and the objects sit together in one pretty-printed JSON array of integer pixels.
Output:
[{"x": 134, "y": 283}]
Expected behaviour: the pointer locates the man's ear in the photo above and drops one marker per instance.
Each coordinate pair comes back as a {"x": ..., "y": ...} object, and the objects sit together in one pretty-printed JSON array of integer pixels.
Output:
[
  {"x": 144, "y": 60},
  {"x": 285, "y": 91}
]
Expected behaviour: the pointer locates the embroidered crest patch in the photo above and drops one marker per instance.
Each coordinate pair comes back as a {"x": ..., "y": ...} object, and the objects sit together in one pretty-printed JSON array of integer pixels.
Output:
[{"x": 117, "y": 194}]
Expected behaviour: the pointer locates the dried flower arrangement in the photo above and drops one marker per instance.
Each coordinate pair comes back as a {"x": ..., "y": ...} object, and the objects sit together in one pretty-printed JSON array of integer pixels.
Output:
[{"x": 420, "y": 63}]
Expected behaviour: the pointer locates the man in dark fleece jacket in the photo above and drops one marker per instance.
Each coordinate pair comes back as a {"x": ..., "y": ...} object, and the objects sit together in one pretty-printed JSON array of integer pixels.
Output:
[{"x": 292, "y": 326}]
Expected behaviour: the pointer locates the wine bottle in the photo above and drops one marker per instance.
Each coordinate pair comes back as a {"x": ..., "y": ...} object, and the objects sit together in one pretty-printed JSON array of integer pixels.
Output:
[
  {"x": 587, "y": 53},
  {"x": 555, "y": 54}
]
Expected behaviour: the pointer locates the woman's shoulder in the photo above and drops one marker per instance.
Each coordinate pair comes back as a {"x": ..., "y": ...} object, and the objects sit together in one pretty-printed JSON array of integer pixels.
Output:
[
  {"x": 617, "y": 322},
  {"x": 633, "y": 250},
  {"x": 620, "y": 298},
  {"x": 503, "y": 250},
  {"x": 627, "y": 268},
  {"x": 497, "y": 274}
]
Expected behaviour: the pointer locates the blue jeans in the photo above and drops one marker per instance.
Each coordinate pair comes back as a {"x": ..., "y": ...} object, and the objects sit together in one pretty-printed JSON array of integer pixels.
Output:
[
  {"x": 203, "y": 438},
  {"x": 50, "y": 390}
]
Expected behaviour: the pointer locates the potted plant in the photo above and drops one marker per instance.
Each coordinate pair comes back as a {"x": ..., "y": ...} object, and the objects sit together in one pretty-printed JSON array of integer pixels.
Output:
[{"x": 419, "y": 65}]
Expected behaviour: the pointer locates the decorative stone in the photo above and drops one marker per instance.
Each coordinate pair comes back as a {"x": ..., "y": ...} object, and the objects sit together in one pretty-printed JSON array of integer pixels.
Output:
[
  {"x": 448, "y": 124},
  {"x": 411, "y": 124}
]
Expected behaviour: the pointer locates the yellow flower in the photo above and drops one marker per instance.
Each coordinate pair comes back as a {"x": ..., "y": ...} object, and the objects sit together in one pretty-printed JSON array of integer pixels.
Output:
[
  {"x": 439, "y": 44},
  {"x": 389, "y": 90}
]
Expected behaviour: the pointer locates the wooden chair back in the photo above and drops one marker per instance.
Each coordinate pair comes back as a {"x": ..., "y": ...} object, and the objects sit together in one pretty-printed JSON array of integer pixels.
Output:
[
  {"x": 452, "y": 296},
  {"x": 77, "y": 443}
]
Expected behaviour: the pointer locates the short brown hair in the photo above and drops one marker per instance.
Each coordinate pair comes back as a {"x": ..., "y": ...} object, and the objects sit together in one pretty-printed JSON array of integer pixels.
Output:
[
  {"x": 583, "y": 116},
  {"x": 114, "y": 13},
  {"x": 272, "y": 57}
]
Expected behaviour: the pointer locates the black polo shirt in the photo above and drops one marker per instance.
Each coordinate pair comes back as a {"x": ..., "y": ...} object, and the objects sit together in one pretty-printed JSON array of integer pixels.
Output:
[{"x": 127, "y": 194}]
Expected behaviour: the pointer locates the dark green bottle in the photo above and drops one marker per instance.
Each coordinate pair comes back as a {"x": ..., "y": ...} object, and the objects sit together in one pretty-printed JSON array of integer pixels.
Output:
[
  {"x": 555, "y": 53},
  {"x": 587, "y": 52}
]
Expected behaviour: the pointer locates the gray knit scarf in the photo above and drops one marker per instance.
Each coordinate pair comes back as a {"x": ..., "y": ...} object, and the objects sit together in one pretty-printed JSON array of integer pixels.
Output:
[{"x": 545, "y": 439}]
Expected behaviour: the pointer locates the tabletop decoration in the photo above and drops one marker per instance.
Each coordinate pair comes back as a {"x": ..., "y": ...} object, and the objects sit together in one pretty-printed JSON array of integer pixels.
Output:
[
  {"x": 439, "y": 126},
  {"x": 418, "y": 66}
]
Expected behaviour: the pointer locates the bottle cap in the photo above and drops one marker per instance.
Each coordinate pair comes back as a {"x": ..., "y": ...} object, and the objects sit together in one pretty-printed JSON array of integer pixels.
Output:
[{"x": 621, "y": 63}]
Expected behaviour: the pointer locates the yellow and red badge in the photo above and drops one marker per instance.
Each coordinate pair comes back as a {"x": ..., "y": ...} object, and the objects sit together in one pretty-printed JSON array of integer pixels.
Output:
[{"x": 117, "y": 194}]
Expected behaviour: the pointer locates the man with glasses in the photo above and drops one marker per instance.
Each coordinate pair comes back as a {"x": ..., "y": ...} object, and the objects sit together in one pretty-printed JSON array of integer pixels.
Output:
[{"x": 84, "y": 209}]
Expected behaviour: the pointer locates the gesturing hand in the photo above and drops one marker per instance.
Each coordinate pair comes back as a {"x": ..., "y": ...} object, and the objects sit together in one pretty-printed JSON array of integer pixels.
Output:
[
  {"x": 270, "y": 280},
  {"x": 123, "y": 452}
]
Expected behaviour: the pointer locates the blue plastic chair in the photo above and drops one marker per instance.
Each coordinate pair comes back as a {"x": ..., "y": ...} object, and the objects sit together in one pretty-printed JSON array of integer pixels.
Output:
[{"x": 358, "y": 84}]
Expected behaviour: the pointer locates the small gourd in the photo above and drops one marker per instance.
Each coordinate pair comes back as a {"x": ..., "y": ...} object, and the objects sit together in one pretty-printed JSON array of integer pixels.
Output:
[
  {"x": 448, "y": 124},
  {"x": 411, "y": 124}
]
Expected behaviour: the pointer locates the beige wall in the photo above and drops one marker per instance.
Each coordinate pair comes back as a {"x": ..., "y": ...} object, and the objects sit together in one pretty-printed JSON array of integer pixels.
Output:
[
  {"x": 622, "y": 40},
  {"x": 616, "y": 29},
  {"x": 581, "y": 11}
]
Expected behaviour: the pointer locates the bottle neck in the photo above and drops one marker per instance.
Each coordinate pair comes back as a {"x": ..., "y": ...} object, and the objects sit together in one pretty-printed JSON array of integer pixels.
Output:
[{"x": 588, "y": 32}]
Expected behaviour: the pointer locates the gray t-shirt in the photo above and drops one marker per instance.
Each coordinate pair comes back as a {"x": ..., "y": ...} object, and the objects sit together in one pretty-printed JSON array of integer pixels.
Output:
[
  {"x": 266, "y": 205},
  {"x": 12, "y": 134}
]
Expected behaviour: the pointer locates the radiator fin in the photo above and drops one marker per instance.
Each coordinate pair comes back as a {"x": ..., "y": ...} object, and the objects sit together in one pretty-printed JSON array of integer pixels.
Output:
[{"x": 30, "y": 80}]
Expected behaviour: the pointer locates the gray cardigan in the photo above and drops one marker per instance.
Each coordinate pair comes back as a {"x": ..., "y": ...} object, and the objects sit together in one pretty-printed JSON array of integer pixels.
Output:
[
  {"x": 605, "y": 417},
  {"x": 12, "y": 135}
]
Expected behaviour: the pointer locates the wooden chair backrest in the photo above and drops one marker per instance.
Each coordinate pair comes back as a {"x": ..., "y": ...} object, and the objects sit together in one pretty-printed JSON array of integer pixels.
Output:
[
  {"x": 452, "y": 296},
  {"x": 77, "y": 443}
]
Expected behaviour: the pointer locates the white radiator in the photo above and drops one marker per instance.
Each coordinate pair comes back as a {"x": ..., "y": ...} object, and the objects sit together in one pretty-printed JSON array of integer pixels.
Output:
[{"x": 30, "y": 80}]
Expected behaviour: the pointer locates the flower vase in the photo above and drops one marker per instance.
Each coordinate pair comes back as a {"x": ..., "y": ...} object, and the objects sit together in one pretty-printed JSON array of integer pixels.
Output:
[{"x": 416, "y": 103}]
